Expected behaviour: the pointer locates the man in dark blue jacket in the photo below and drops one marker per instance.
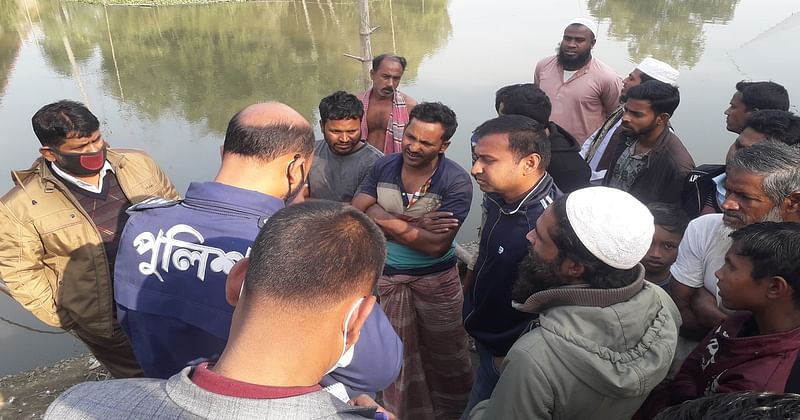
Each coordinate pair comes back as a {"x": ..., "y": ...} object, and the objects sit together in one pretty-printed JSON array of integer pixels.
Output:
[
  {"x": 510, "y": 158},
  {"x": 174, "y": 257}
]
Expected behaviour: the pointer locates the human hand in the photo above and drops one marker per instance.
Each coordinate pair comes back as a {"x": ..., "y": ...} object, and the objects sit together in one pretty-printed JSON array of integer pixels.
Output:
[
  {"x": 436, "y": 222},
  {"x": 365, "y": 400}
]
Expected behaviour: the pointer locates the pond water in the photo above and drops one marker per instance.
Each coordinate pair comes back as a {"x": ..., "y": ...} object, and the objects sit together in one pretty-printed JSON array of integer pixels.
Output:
[{"x": 167, "y": 79}]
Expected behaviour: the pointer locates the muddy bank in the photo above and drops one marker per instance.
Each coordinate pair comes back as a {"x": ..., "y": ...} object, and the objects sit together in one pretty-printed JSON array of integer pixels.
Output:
[{"x": 26, "y": 395}]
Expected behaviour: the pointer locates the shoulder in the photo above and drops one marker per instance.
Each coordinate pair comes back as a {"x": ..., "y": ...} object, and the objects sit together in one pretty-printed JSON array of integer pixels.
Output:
[
  {"x": 454, "y": 175},
  {"x": 603, "y": 69},
  {"x": 370, "y": 152},
  {"x": 110, "y": 399},
  {"x": 389, "y": 162},
  {"x": 152, "y": 203},
  {"x": 550, "y": 60},
  {"x": 409, "y": 101},
  {"x": 705, "y": 225}
]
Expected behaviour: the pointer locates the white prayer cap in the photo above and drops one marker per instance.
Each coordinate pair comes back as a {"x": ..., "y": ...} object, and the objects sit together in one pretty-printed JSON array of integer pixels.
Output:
[
  {"x": 659, "y": 70},
  {"x": 585, "y": 22},
  {"x": 613, "y": 225}
]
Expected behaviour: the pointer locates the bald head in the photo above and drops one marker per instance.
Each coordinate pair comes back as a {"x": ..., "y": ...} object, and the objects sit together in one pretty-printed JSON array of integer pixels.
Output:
[
  {"x": 268, "y": 130},
  {"x": 270, "y": 113}
]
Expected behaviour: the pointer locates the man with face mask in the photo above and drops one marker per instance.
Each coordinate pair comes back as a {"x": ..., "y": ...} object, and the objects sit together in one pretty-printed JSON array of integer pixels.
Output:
[
  {"x": 584, "y": 91},
  {"x": 650, "y": 162},
  {"x": 174, "y": 257},
  {"x": 60, "y": 226},
  {"x": 604, "y": 337},
  {"x": 300, "y": 311}
]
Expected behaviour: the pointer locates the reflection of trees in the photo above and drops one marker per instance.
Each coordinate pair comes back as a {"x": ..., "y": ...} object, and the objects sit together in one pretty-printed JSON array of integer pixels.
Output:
[
  {"x": 205, "y": 62},
  {"x": 670, "y": 30},
  {"x": 10, "y": 19}
]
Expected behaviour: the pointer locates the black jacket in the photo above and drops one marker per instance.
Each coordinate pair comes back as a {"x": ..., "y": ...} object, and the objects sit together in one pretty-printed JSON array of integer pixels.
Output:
[
  {"x": 568, "y": 169},
  {"x": 488, "y": 315},
  {"x": 667, "y": 167},
  {"x": 700, "y": 189}
]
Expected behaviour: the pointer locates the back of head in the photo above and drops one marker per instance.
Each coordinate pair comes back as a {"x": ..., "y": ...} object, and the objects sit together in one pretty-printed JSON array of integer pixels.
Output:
[
  {"x": 267, "y": 131},
  {"x": 782, "y": 126},
  {"x": 607, "y": 231},
  {"x": 56, "y": 122},
  {"x": 315, "y": 254},
  {"x": 669, "y": 216},
  {"x": 774, "y": 250},
  {"x": 663, "y": 98},
  {"x": 524, "y": 99},
  {"x": 376, "y": 62},
  {"x": 763, "y": 95},
  {"x": 436, "y": 112},
  {"x": 525, "y": 136},
  {"x": 777, "y": 162},
  {"x": 340, "y": 105},
  {"x": 736, "y": 405}
]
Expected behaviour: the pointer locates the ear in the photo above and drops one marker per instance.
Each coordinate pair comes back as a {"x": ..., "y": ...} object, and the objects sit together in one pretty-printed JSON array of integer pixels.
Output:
[
  {"x": 235, "y": 281},
  {"x": 371, "y": 73},
  {"x": 779, "y": 288},
  {"x": 573, "y": 271},
  {"x": 299, "y": 170},
  {"x": 531, "y": 163},
  {"x": 359, "y": 318},
  {"x": 444, "y": 147},
  {"x": 47, "y": 154},
  {"x": 663, "y": 118},
  {"x": 791, "y": 207},
  {"x": 594, "y": 41}
]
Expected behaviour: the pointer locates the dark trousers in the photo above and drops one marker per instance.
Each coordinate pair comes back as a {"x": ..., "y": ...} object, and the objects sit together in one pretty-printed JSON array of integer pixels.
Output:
[{"x": 115, "y": 352}]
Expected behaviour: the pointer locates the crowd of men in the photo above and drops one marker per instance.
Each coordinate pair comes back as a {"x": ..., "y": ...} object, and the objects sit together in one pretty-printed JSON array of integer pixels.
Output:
[{"x": 614, "y": 278}]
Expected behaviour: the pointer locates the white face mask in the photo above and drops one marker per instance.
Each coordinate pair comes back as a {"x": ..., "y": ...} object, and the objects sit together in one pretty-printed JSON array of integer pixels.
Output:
[{"x": 347, "y": 354}]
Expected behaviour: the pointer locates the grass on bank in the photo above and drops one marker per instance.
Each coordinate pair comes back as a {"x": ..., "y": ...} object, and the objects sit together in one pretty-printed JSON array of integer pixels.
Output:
[{"x": 152, "y": 3}]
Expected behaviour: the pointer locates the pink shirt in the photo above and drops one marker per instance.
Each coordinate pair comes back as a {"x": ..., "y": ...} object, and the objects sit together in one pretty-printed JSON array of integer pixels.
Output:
[{"x": 582, "y": 103}]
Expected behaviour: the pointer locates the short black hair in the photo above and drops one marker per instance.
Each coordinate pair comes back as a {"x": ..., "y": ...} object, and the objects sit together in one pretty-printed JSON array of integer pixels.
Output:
[
  {"x": 736, "y": 405},
  {"x": 267, "y": 142},
  {"x": 525, "y": 136},
  {"x": 340, "y": 105},
  {"x": 524, "y": 99},
  {"x": 376, "y": 62},
  {"x": 315, "y": 253},
  {"x": 782, "y": 126},
  {"x": 774, "y": 250},
  {"x": 669, "y": 216},
  {"x": 763, "y": 95},
  {"x": 664, "y": 98},
  {"x": 436, "y": 112},
  {"x": 56, "y": 122},
  {"x": 596, "y": 273}
]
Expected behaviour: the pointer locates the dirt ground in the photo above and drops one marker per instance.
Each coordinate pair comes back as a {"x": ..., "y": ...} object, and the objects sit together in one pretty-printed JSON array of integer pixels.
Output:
[{"x": 26, "y": 395}]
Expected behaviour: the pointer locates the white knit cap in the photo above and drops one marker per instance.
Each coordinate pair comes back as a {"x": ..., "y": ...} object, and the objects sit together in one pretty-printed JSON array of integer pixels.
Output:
[
  {"x": 613, "y": 225},
  {"x": 585, "y": 22},
  {"x": 659, "y": 70}
]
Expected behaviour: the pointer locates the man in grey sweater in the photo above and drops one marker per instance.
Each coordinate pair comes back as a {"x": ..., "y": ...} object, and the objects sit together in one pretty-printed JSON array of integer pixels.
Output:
[{"x": 299, "y": 311}]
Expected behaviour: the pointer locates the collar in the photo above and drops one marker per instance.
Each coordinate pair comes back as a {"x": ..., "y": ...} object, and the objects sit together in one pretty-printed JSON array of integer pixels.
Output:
[
  {"x": 215, "y": 195},
  {"x": 543, "y": 186},
  {"x": 220, "y": 385},
  {"x": 581, "y": 296},
  {"x": 719, "y": 181},
  {"x": 79, "y": 183}
]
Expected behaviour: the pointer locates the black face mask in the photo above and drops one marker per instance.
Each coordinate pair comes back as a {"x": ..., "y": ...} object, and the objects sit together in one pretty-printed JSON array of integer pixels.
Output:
[
  {"x": 81, "y": 164},
  {"x": 292, "y": 194}
]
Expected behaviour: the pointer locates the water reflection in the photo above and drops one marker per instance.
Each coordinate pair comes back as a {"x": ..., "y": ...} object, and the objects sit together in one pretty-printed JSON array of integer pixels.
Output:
[
  {"x": 10, "y": 41},
  {"x": 206, "y": 62},
  {"x": 670, "y": 30}
]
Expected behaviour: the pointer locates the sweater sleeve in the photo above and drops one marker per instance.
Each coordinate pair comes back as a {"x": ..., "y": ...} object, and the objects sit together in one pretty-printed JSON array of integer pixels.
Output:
[{"x": 523, "y": 391}]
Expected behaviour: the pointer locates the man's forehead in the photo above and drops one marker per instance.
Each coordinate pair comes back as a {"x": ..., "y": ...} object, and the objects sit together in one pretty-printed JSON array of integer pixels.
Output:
[
  {"x": 743, "y": 180},
  {"x": 578, "y": 30},
  {"x": 390, "y": 65}
]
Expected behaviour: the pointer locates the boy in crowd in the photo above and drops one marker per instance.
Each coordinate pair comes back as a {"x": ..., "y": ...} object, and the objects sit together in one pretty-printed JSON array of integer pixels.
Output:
[
  {"x": 755, "y": 349},
  {"x": 670, "y": 223}
]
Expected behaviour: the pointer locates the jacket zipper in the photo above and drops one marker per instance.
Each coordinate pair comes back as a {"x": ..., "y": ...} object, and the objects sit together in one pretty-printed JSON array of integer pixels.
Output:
[{"x": 483, "y": 264}]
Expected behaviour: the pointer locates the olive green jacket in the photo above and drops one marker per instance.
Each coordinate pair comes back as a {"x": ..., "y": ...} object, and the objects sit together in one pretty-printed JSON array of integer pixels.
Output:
[
  {"x": 595, "y": 354},
  {"x": 51, "y": 255}
]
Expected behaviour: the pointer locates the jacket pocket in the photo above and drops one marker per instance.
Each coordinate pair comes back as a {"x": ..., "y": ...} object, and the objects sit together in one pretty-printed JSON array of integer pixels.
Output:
[{"x": 58, "y": 220}]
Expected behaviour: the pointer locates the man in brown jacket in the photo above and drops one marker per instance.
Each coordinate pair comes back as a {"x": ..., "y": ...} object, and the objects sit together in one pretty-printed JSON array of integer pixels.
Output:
[
  {"x": 60, "y": 226},
  {"x": 650, "y": 162}
]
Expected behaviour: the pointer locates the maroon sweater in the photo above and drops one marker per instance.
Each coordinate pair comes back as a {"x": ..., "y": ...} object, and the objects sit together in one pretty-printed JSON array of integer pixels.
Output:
[{"x": 107, "y": 211}]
